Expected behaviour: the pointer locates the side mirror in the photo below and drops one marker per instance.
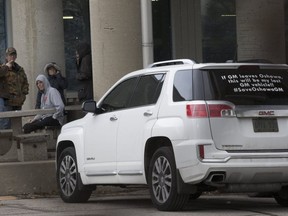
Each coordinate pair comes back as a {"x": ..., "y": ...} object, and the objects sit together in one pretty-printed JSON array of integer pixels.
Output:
[{"x": 90, "y": 106}]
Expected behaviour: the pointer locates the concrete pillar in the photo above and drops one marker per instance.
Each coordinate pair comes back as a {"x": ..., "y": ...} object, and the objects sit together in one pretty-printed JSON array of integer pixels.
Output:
[
  {"x": 38, "y": 36},
  {"x": 261, "y": 30},
  {"x": 115, "y": 40}
]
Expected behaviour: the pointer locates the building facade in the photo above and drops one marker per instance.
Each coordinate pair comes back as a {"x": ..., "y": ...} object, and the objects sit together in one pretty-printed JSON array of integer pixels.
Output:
[{"x": 129, "y": 34}]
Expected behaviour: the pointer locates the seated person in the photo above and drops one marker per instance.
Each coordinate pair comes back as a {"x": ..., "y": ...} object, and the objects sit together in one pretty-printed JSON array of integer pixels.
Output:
[
  {"x": 56, "y": 80},
  {"x": 50, "y": 98}
]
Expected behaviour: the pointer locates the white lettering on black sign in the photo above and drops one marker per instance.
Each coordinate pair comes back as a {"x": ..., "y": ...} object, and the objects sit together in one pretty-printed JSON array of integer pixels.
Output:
[{"x": 254, "y": 82}]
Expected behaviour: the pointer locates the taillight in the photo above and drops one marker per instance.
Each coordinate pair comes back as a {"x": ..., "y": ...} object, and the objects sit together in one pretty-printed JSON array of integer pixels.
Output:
[
  {"x": 196, "y": 110},
  {"x": 214, "y": 110},
  {"x": 220, "y": 110}
]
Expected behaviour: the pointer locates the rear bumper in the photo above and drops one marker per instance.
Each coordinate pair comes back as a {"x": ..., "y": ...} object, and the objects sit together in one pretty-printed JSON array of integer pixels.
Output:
[
  {"x": 241, "y": 173},
  {"x": 221, "y": 168}
]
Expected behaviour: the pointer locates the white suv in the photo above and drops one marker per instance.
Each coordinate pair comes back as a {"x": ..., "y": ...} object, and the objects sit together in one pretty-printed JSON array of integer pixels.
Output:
[{"x": 182, "y": 128}]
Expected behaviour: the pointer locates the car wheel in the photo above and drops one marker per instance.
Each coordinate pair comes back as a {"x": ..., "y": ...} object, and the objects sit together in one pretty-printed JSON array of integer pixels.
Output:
[
  {"x": 68, "y": 179},
  {"x": 282, "y": 197},
  {"x": 163, "y": 182}
]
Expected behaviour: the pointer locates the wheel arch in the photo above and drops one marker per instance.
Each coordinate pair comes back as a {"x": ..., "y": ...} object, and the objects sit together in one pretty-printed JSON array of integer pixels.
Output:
[
  {"x": 63, "y": 145},
  {"x": 151, "y": 146}
]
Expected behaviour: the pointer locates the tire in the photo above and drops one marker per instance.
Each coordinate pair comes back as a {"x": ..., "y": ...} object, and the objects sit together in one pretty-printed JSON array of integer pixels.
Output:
[
  {"x": 68, "y": 179},
  {"x": 195, "y": 196},
  {"x": 162, "y": 180},
  {"x": 282, "y": 197}
]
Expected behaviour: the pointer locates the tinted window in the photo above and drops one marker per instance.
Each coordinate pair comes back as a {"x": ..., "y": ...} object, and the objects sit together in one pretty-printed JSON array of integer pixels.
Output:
[
  {"x": 76, "y": 28},
  {"x": 248, "y": 86},
  {"x": 148, "y": 90},
  {"x": 182, "y": 89},
  {"x": 2, "y": 31},
  {"x": 120, "y": 96},
  {"x": 218, "y": 30}
]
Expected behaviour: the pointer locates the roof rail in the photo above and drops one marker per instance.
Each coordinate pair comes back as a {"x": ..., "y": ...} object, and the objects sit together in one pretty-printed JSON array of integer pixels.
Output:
[
  {"x": 251, "y": 61},
  {"x": 171, "y": 62}
]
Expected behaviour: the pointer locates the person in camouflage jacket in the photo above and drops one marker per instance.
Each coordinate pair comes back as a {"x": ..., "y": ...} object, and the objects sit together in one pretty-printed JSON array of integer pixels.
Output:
[
  {"x": 3, "y": 86},
  {"x": 4, "y": 95},
  {"x": 16, "y": 81}
]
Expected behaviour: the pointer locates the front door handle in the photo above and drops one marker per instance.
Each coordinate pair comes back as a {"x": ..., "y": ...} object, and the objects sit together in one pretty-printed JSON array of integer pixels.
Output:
[{"x": 113, "y": 118}]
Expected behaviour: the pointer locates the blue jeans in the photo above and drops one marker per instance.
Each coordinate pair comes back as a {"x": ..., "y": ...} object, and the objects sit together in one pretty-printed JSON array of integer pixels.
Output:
[{"x": 4, "y": 122}]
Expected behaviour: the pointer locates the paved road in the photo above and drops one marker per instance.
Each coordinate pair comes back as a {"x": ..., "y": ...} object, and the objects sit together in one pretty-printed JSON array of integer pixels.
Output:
[{"x": 138, "y": 204}]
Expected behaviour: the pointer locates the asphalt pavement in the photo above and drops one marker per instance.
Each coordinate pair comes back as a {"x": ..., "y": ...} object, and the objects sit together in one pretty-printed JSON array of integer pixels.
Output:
[{"x": 136, "y": 201}]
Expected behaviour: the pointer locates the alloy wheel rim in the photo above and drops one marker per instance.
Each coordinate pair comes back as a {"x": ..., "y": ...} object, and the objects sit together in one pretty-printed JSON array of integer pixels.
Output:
[
  {"x": 67, "y": 175},
  {"x": 161, "y": 179}
]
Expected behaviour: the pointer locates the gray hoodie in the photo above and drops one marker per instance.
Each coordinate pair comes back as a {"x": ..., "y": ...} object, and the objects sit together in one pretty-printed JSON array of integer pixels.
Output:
[{"x": 51, "y": 98}]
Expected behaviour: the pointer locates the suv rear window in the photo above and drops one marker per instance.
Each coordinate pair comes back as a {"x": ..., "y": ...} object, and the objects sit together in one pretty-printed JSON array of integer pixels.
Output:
[{"x": 247, "y": 85}]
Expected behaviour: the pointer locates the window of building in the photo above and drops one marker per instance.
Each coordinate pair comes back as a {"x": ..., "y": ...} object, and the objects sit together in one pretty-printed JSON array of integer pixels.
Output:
[
  {"x": 161, "y": 30},
  {"x": 76, "y": 19},
  {"x": 2, "y": 31},
  {"x": 219, "y": 39},
  {"x": 218, "y": 19}
]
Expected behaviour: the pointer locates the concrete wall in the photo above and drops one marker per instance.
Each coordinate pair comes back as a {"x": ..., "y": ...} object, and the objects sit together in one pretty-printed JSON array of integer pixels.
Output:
[
  {"x": 261, "y": 30},
  {"x": 35, "y": 177},
  {"x": 115, "y": 41},
  {"x": 38, "y": 36}
]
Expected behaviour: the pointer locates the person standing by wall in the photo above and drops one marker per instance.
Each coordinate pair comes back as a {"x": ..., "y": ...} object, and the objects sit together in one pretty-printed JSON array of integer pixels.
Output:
[
  {"x": 55, "y": 79},
  {"x": 84, "y": 71},
  {"x": 13, "y": 86},
  {"x": 4, "y": 95},
  {"x": 17, "y": 82},
  {"x": 50, "y": 98}
]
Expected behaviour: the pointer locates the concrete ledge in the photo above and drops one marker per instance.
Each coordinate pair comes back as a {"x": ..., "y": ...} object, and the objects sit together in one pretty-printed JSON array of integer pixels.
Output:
[
  {"x": 39, "y": 178},
  {"x": 32, "y": 147},
  {"x": 35, "y": 177}
]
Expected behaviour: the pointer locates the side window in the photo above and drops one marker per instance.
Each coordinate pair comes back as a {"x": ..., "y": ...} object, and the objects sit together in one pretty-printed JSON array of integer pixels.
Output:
[
  {"x": 148, "y": 90},
  {"x": 182, "y": 89},
  {"x": 119, "y": 97}
]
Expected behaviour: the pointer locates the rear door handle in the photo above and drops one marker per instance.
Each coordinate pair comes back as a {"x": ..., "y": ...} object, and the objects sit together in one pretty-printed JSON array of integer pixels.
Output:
[{"x": 148, "y": 113}]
